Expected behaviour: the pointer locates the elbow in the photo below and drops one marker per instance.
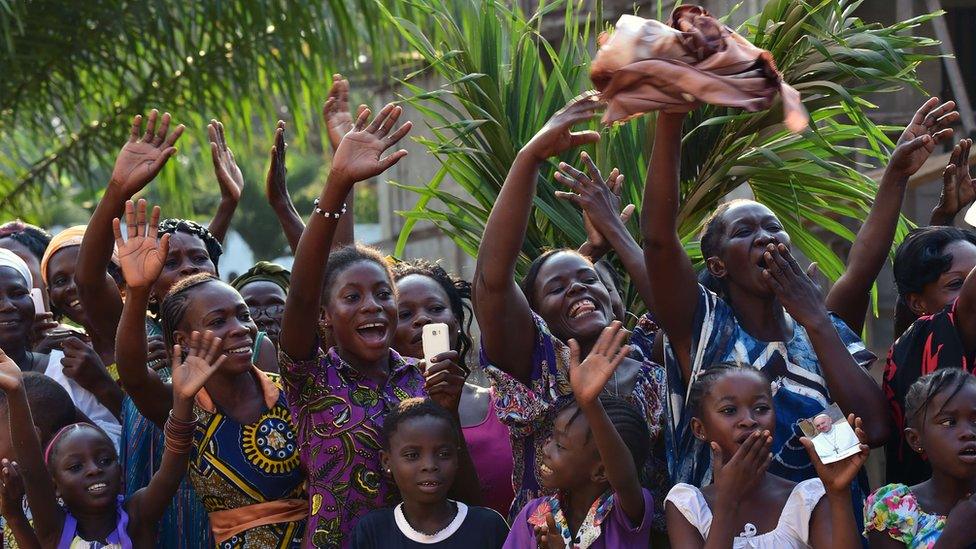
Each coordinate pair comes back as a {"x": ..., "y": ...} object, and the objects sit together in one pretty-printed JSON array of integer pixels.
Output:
[{"x": 878, "y": 435}]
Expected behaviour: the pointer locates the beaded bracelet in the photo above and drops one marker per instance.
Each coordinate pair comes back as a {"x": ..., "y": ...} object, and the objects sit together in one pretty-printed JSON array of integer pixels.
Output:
[{"x": 328, "y": 215}]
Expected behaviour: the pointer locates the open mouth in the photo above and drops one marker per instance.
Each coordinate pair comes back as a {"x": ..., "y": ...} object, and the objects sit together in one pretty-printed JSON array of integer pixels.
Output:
[
  {"x": 97, "y": 488},
  {"x": 243, "y": 350},
  {"x": 545, "y": 469},
  {"x": 582, "y": 307},
  {"x": 430, "y": 485},
  {"x": 372, "y": 332},
  {"x": 9, "y": 323},
  {"x": 74, "y": 304},
  {"x": 968, "y": 454}
]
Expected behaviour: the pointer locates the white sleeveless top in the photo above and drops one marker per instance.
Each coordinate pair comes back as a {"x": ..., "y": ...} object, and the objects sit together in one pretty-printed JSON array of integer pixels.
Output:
[
  {"x": 84, "y": 400},
  {"x": 791, "y": 532}
]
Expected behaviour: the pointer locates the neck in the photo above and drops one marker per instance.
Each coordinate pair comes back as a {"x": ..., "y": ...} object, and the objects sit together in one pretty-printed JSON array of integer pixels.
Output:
[
  {"x": 950, "y": 490},
  {"x": 96, "y": 525},
  {"x": 428, "y": 518},
  {"x": 761, "y": 317},
  {"x": 378, "y": 370},
  {"x": 232, "y": 392},
  {"x": 576, "y": 504}
]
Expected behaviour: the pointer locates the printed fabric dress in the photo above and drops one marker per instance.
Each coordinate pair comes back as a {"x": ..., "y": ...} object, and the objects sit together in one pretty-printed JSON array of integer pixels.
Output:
[
  {"x": 529, "y": 411},
  {"x": 248, "y": 476},
  {"x": 932, "y": 342},
  {"x": 338, "y": 416},
  {"x": 799, "y": 388},
  {"x": 893, "y": 510}
]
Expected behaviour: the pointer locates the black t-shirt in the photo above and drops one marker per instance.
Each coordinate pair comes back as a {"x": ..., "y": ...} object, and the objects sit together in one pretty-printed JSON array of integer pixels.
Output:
[{"x": 472, "y": 528}]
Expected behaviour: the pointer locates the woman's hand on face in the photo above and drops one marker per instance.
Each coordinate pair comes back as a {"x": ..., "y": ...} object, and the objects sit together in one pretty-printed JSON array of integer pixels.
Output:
[
  {"x": 745, "y": 469},
  {"x": 590, "y": 377},
  {"x": 837, "y": 476},
  {"x": 929, "y": 126},
  {"x": 599, "y": 198},
  {"x": 145, "y": 154},
  {"x": 142, "y": 255},
  {"x": 335, "y": 112},
  {"x": 10, "y": 375},
  {"x": 557, "y": 136},
  {"x": 203, "y": 358},
  {"x": 228, "y": 174},
  {"x": 958, "y": 186},
  {"x": 11, "y": 489},
  {"x": 358, "y": 156},
  {"x": 444, "y": 380},
  {"x": 798, "y": 294},
  {"x": 82, "y": 364},
  {"x": 275, "y": 184}
]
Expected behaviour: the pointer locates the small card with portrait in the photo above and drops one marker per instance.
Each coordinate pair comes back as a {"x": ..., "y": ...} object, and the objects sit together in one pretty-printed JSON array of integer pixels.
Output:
[{"x": 832, "y": 436}]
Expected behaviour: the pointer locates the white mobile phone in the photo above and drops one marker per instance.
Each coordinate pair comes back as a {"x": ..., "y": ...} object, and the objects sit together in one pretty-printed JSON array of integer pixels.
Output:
[
  {"x": 38, "y": 301},
  {"x": 436, "y": 340}
]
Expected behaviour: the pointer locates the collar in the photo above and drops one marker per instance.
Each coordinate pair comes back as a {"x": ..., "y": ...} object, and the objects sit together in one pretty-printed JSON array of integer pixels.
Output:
[
  {"x": 398, "y": 364},
  {"x": 589, "y": 530},
  {"x": 268, "y": 389}
]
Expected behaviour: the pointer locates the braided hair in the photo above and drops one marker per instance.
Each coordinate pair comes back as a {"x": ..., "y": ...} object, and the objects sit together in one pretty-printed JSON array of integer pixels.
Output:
[
  {"x": 413, "y": 408},
  {"x": 173, "y": 307},
  {"x": 629, "y": 424},
  {"x": 214, "y": 249},
  {"x": 707, "y": 378},
  {"x": 32, "y": 237},
  {"x": 458, "y": 295},
  {"x": 924, "y": 390},
  {"x": 347, "y": 256}
]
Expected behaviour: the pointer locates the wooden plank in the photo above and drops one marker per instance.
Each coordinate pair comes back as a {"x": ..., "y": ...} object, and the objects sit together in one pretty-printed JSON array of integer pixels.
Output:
[{"x": 952, "y": 69}]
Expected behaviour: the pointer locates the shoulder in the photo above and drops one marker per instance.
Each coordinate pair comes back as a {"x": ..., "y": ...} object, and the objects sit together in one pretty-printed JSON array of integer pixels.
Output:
[
  {"x": 893, "y": 510},
  {"x": 486, "y": 519},
  {"x": 379, "y": 521},
  {"x": 686, "y": 497}
]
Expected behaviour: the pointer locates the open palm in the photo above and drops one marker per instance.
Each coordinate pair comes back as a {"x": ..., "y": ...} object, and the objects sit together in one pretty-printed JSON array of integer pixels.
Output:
[
  {"x": 338, "y": 118},
  {"x": 958, "y": 186},
  {"x": 145, "y": 154},
  {"x": 141, "y": 256},
  {"x": 228, "y": 173},
  {"x": 589, "y": 378},
  {"x": 358, "y": 156},
  {"x": 10, "y": 374},
  {"x": 556, "y": 136},
  {"x": 202, "y": 359},
  {"x": 929, "y": 126},
  {"x": 837, "y": 476}
]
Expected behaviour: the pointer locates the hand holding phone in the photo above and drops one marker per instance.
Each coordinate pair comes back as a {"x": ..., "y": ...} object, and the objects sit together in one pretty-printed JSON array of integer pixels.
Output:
[{"x": 436, "y": 340}]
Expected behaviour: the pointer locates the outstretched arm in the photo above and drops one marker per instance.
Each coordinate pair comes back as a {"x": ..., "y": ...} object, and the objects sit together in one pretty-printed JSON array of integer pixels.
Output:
[
  {"x": 141, "y": 257},
  {"x": 138, "y": 163},
  {"x": 503, "y": 313},
  {"x": 958, "y": 186},
  {"x": 832, "y": 523},
  {"x": 669, "y": 269},
  {"x": 851, "y": 294},
  {"x": 588, "y": 380},
  {"x": 339, "y": 121},
  {"x": 276, "y": 189},
  {"x": 229, "y": 177},
  {"x": 357, "y": 159}
]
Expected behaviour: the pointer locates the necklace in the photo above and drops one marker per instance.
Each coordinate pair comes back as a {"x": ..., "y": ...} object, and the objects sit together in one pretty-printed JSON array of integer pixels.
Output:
[{"x": 418, "y": 533}]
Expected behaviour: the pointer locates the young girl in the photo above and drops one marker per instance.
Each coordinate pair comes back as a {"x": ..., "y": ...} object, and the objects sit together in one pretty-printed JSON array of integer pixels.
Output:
[
  {"x": 339, "y": 399},
  {"x": 420, "y": 451},
  {"x": 732, "y": 412},
  {"x": 591, "y": 461},
  {"x": 83, "y": 468},
  {"x": 940, "y": 414},
  {"x": 244, "y": 464},
  {"x": 427, "y": 294}
]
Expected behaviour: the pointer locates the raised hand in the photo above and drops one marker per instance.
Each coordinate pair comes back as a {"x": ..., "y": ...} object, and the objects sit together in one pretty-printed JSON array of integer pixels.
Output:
[
  {"x": 547, "y": 535},
  {"x": 837, "y": 476},
  {"x": 796, "y": 291},
  {"x": 228, "y": 174},
  {"x": 958, "y": 186},
  {"x": 589, "y": 378},
  {"x": 338, "y": 119},
  {"x": 203, "y": 358},
  {"x": 358, "y": 156},
  {"x": 557, "y": 136},
  {"x": 736, "y": 476},
  {"x": 145, "y": 154},
  {"x": 141, "y": 256},
  {"x": 444, "y": 380},
  {"x": 10, "y": 375},
  {"x": 11, "y": 489},
  {"x": 598, "y": 198},
  {"x": 275, "y": 185},
  {"x": 929, "y": 126}
]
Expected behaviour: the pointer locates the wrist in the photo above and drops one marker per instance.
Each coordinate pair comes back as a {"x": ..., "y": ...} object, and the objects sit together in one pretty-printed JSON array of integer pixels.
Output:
[
  {"x": 138, "y": 292},
  {"x": 819, "y": 324},
  {"x": 227, "y": 201},
  {"x": 894, "y": 178},
  {"x": 530, "y": 154}
]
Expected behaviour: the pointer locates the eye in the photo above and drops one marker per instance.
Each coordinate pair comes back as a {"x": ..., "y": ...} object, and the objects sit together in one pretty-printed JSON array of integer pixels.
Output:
[
  {"x": 763, "y": 408},
  {"x": 774, "y": 228},
  {"x": 170, "y": 263},
  {"x": 404, "y": 314},
  {"x": 244, "y": 315},
  {"x": 201, "y": 258},
  {"x": 438, "y": 308},
  {"x": 105, "y": 461},
  {"x": 947, "y": 422},
  {"x": 741, "y": 232},
  {"x": 591, "y": 280},
  {"x": 74, "y": 467},
  {"x": 411, "y": 456},
  {"x": 351, "y": 298},
  {"x": 955, "y": 284},
  {"x": 445, "y": 454},
  {"x": 555, "y": 290},
  {"x": 60, "y": 281},
  {"x": 219, "y": 321},
  {"x": 384, "y": 294},
  {"x": 727, "y": 411}
]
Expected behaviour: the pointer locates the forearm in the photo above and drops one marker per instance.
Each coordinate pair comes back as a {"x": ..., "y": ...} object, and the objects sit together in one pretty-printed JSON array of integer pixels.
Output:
[
  {"x": 149, "y": 394},
  {"x": 37, "y": 481},
  {"x": 345, "y": 232},
  {"x": 291, "y": 223},
  {"x": 632, "y": 257},
  {"x": 845, "y": 533},
  {"x": 156, "y": 496},
  {"x": 661, "y": 201},
  {"x": 110, "y": 395},
  {"x": 220, "y": 223},
  {"x": 96, "y": 246},
  {"x": 617, "y": 461},
  {"x": 724, "y": 529},
  {"x": 21, "y": 528}
]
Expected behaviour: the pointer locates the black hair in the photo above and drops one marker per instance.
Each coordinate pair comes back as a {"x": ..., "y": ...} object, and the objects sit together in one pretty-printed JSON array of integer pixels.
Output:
[
  {"x": 347, "y": 256},
  {"x": 921, "y": 394},
  {"x": 214, "y": 249},
  {"x": 61, "y": 434},
  {"x": 413, "y": 408},
  {"x": 458, "y": 294},
  {"x": 32, "y": 237},
  {"x": 529, "y": 280},
  {"x": 177, "y": 301},
  {"x": 920, "y": 260},
  {"x": 629, "y": 423},
  {"x": 711, "y": 244},
  {"x": 707, "y": 378},
  {"x": 51, "y": 406}
]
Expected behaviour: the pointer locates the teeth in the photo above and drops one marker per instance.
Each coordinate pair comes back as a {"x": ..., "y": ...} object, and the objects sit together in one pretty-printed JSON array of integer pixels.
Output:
[
  {"x": 582, "y": 307},
  {"x": 544, "y": 469},
  {"x": 240, "y": 350},
  {"x": 74, "y": 303},
  {"x": 372, "y": 325},
  {"x": 8, "y": 323},
  {"x": 97, "y": 487}
]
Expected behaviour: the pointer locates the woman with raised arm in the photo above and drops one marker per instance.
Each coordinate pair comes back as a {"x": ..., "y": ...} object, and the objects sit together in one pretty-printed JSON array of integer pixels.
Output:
[
  {"x": 524, "y": 329},
  {"x": 766, "y": 313}
]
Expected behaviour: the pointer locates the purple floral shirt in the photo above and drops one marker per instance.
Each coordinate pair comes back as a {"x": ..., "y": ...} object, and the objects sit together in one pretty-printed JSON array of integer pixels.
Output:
[{"x": 338, "y": 417}]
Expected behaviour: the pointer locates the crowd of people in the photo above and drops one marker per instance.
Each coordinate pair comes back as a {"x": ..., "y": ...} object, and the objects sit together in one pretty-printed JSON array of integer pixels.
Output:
[{"x": 149, "y": 403}]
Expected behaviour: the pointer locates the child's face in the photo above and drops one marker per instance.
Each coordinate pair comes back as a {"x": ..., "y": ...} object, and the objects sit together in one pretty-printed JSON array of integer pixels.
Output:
[
  {"x": 362, "y": 310},
  {"x": 218, "y": 307},
  {"x": 568, "y": 458},
  {"x": 823, "y": 423},
  {"x": 948, "y": 435},
  {"x": 423, "y": 458},
  {"x": 86, "y": 470},
  {"x": 737, "y": 404}
]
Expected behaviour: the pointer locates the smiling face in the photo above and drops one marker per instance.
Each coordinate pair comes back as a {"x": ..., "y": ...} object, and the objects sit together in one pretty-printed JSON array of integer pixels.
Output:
[
  {"x": 187, "y": 256},
  {"x": 361, "y": 309},
  {"x": 947, "y": 433},
  {"x": 570, "y": 458},
  {"x": 61, "y": 284},
  {"x": 423, "y": 458},
  {"x": 16, "y": 311},
  {"x": 421, "y": 301},
  {"x": 570, "y": 297},
  {"x": 737, "y": 404},
  {"x": 746, "y": 229},
  {"x": 266, "y": 301},
  {"x": 217, "y": 307},
  {"x": 86, "y": 470},
  {"x": 937, "y": 294}
]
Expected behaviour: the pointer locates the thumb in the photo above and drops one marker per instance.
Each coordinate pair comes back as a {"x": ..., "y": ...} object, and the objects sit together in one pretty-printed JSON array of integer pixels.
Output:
[
  {"x": 627, "y": 212},
  {"x": 582, "y": 138},
  {"x": 813, "y": 269},
  {"x": 716, "y": 458},
  {"x": 389, "y": 161}
]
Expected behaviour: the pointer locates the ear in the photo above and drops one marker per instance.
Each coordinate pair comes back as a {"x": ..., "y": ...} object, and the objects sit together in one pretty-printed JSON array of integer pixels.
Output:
[
  {"x": 916, "y": 304},
  {"x": 385, "y": 462},
  {"x": 599, "y": 473},
  {"x": 914, "y": 439},
  {"x": 716, "y": 267},
  {"x": 698, "y": 429},
  {"x": 180, "y": 338},
  {"x": 325, "y": 316}
]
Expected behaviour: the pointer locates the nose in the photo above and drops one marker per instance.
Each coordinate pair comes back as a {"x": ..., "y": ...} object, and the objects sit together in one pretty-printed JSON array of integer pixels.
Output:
[
  {"x": 187, "y": 268},
  {"x": 92, "y": 468},
  {"x": 370, "y": 303},
  {"x": 422, "y": 319},
  {"x": 576, "y": 288},
  {"x": 968, "y": 432},
  {"x": 765, "y": 238},
  {"x": 747, "y": 421},
  {"x": 430, "y": 464}
]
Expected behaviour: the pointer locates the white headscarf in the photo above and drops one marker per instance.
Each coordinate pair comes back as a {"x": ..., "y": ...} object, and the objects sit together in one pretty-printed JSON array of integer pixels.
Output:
[{"x": 12, "y": 260}]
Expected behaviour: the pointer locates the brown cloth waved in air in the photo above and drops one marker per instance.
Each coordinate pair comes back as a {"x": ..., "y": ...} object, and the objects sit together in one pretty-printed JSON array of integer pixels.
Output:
[{"x": 646, "y": 65}]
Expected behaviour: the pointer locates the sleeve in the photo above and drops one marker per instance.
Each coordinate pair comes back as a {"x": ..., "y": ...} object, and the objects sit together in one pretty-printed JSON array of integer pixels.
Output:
[
  {"x": 892, "y": 510},
  {"x": 362, "y": 535},
  {"x": 522, "y": 534},
  {"x": 800, "y": 505},
  {"x": 296, "y": 374},
  {"x": 624, "y": 522},
  {"x": 713, "y": 326},
  {"x": 494, "y": 526},
  {"x": 691, "y": 503},
  {"x": 855, "y": 346},
  {"x": 525, "y": 408}
]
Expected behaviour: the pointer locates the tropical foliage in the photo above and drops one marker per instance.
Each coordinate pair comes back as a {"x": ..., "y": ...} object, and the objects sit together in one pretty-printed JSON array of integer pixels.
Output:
[{"x": 503, "y": 79}]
